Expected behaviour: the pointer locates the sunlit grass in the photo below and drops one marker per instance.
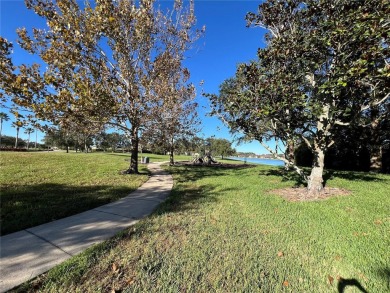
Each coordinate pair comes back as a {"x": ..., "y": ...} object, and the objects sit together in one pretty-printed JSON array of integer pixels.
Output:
[
  {"x": 222, "y": 231},
  {"x": 38, "y": 187}
]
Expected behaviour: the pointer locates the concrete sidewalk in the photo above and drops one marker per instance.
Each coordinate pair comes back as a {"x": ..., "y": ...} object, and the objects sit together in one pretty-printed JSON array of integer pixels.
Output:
[{"x": 31, "y": 252}]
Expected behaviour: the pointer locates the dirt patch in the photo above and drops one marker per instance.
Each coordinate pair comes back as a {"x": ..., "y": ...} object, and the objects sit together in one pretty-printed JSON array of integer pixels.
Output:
[{"x": 300, "y": 194}]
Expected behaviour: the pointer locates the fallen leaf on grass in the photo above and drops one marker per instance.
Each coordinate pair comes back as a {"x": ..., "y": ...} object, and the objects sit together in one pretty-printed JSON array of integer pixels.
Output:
[
  {"x": 378, "y": 222},
  {"x": 280, "y": 253},
  {"x": 363, "y": 277},
  {"x": 331, "y": 279},
  {"x": 285, "y": 283},
  {"x": 115, "y": 268}
]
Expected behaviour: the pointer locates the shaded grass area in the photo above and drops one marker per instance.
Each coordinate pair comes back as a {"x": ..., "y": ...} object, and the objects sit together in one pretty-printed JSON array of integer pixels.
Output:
[
  {"x": 37, "y": 188},
  {"x": 220, "y": 231}
]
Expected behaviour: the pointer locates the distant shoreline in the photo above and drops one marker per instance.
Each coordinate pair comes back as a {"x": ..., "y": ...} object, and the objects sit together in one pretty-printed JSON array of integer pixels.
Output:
[{"x": 259, "y": 161}]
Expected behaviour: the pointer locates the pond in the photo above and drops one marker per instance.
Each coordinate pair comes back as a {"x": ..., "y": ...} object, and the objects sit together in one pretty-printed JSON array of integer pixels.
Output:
[{"x": 272, "y": 162}]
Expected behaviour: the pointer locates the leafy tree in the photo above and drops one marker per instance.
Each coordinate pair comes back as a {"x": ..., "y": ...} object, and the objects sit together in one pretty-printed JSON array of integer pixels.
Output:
[
  {"x": 176, "y": 122},
  {"x": 9, "y": 141},
  {"x": 221, "y": 147},
  {"x": 6, "y": 68},
  {"x": 324, "y": 65},
  {"x": 102, "y": 62},
  {"x": 112, "y": 140},
  {"x": 3, "y": 117}
]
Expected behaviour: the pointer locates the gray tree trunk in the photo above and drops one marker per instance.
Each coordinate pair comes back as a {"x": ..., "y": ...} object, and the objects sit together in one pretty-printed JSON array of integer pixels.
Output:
[
  {"x": 28, "y": 141},
  {"x": 17, "y": 136},
  {"x": 315, "y": 183}
]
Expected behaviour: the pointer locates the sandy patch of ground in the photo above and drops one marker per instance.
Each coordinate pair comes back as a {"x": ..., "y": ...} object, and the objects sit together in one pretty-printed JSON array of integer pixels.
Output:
[{"x": 300, "y": 193}]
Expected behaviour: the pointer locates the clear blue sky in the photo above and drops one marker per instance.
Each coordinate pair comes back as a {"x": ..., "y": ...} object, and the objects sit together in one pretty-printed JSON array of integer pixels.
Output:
[{"x": 226, "y": 43}]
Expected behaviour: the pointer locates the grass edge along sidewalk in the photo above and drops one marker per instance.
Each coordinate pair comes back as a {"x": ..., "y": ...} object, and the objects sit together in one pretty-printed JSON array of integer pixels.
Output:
[
  {"x": 26, "y": 254},
  {"x": 37, "y": 188},
  {"x": 224, "y": 230}
]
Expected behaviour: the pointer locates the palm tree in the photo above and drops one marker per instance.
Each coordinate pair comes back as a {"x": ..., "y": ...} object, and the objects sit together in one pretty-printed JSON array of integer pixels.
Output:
[
  {"x": 28, "y": 131},
  {"x": 17, "y": 124},
  {"x": 36, "y": 137},
  {"x": 3, "y": 117}
]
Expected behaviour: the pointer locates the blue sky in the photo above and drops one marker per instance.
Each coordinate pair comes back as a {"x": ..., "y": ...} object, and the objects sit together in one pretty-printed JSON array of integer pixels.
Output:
[{"x": 226, "y": 43}]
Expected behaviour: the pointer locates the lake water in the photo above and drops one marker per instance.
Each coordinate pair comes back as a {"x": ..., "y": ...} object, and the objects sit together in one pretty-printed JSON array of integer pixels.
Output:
[{"x": 271, "y": 162}]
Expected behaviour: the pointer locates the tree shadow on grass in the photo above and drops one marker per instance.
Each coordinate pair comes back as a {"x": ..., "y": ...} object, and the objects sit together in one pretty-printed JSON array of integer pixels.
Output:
[
  {"x": 189, "y": 195},
  {"x": 344, "y": 283},
  {"x": 385, "y": 274},
  {"x": 285, "y": 176},
  {"x": 353, "y": 176},
  {"x": 328, "y": 175},
  {"x": 186, "y": 197},
  {"x": 32, "y": 205},
  {"x": 191, "y": 173}
]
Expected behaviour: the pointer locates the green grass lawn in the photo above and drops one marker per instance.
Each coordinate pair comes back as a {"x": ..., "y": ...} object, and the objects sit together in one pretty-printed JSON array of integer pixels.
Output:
[
  {"x": 222, "y": 231},
  {"x": 38, "y": 187}
]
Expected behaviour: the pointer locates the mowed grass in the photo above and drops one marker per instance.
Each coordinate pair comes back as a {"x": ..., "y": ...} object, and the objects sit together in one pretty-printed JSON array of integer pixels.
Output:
[
  {"x": 40, "y": 187},
  {"x": 222, "y": 230}
]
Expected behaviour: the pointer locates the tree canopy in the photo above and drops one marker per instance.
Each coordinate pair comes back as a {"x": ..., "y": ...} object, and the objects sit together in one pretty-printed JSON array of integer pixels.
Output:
[
  {"x": 106, "y": 61},
  {"x": 325, "y": 65}
]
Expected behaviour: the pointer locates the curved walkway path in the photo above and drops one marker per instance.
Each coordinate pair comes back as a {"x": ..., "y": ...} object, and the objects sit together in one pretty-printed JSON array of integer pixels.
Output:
[{"x": 28, "y": 253}]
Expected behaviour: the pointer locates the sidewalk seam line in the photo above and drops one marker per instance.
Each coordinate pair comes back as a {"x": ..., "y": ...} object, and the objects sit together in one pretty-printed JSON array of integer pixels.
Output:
[
  {"x": 51, "y": 243},
  {"x": 96, "y": 210},
  {"x": 145, "y": 199}
]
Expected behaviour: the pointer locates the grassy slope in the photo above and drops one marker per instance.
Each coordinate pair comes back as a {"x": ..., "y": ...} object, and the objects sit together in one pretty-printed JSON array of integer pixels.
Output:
[
  {"x": 222, "y": 231},
  {"x": 40, "y": 187}
]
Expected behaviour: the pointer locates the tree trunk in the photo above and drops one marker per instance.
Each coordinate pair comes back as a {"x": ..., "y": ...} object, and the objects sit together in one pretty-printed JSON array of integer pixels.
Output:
[
  {"x": 375, "y": 147},
  {"x": 289, "y": 153},
  {"x": 28, "y": 141},
  {"x": 171, "y": 149},
  {"x": 133, "y": 169},
  {"x": 315, "y": 181},
  {"x": 17, "y": 136},
  {"x": 36, "y": 138},
  {"x": 376, "y": 158}
]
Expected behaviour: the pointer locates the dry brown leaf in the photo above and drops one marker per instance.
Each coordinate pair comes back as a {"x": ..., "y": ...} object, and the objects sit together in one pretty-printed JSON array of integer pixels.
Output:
[
  {"x": 280, "y": 253},
  {"x": 285, "y": 283},
  {"x": 378, "y": 222},
  {"x": 331, "y": 279},
  {"x": 115, "y": 267}
]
